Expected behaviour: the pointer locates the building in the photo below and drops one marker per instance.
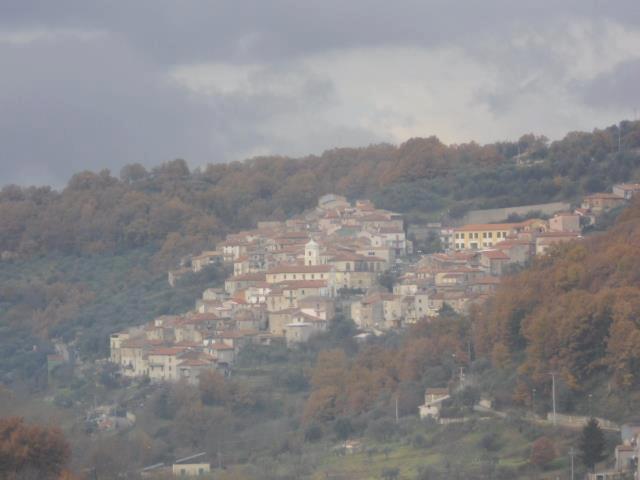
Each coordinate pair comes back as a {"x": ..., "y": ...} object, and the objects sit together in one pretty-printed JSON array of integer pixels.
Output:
[
  {"x": 474, "y": 237},
  {"x": 192, "y": 466},
  {"x": 626, "y": 190},
  {"x": 547, "y": 240},
  {"x": 565, "y": 222},
  {"x": 205, "y": 259},
  {"x": 601, "y": 202},
  {"x": 433, "y": 399}
]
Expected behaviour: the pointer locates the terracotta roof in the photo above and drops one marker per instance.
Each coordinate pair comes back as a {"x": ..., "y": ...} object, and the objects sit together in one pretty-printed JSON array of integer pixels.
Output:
[
  {"x": 488, "y": 227},
  {"x": 221, "y": 346},
  {"x": 495, "y": 255},
  {"x": 558, "y": 234},
  {"x": 300, "y": 269},
  {"x": 196, "y": 362},
  {"x": 140, "y": 343}
]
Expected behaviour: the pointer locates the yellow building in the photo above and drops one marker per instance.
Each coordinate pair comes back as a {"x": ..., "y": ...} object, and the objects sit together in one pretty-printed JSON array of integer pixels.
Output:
[
  {"x": 191, "y": 469},
  {"x": 473, "y": 237}
]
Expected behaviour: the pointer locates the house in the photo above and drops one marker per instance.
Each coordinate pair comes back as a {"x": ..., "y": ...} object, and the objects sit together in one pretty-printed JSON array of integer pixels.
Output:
[
  {"x": 192, "y": 466},
  {"x": 189, "y": 369},
  {"x": 163, "y": 363},
  {"x": 433, "y": 398},
  {"x": 241, "y": 282},
  {"x": 368, "y": 312},
  {"x": 477, "y": 236},
  {"x": 174, "y": 276},
  {"x": 331, "y": 201},
  {"x": 565, "y": 222},
  {"x": 298, "y": 332},
  {"x": 626, "y": 457},
  {"x": 205, "y": 259},
  {"x": 494, "y": 261},
  {"x": 601, "y": 202},
  {"x": 519, "y": 251},
  {"x": 487, "y": 284},
  {"x": 546, "y": 240},
  {"x": 626, "y": 190},
  {"x": 283, "y": 273}
]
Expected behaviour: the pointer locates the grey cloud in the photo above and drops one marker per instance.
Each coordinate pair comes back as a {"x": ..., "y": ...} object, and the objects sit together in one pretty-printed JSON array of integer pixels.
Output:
[
  {"x": 615, "y": 89},
  {"x": 70, "y": 103}
]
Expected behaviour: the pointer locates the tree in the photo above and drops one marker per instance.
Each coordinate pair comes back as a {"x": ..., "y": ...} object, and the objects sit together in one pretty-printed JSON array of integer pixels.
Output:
[
  {"x": 542, "y": 452},
  {"x": 213, "y": 388},
  {"x": 313, "y": 433},
  {"x": 31, "y": 449},
  {"x": 343, "y": 428},
  {"x": 592, "y": 444}
]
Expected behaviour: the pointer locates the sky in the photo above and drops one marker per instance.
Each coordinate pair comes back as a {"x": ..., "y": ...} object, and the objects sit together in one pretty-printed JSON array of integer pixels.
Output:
[{"x": 89, "y": 85}]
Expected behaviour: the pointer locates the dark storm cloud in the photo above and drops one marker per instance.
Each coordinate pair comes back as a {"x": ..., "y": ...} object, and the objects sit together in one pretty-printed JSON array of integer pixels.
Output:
[
  {"x": 617, "y": 88},
  {"x": 98, "y": 84}
]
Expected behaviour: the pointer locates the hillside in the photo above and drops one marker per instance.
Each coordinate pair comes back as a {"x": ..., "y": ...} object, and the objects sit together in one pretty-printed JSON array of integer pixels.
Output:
[
  {"x": 576, "y": 311},
  {"x": 97, "y": 264},
  {"x": 69, "y": 256},
  {"x": 178, "y": 210}
]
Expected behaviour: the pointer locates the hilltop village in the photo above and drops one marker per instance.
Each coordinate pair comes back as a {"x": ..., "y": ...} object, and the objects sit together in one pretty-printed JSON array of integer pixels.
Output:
[{"x": 291, "y": 279}]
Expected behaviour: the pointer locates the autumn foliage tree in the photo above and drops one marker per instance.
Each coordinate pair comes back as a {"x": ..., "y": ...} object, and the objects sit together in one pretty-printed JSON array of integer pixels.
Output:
[
  {"x": 543, "y": 452},
  {"x": 350, "y": 386},
  {"x": 31, "y": 449}
]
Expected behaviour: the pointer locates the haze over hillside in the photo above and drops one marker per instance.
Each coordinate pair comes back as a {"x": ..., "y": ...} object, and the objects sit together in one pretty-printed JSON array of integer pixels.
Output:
[{"x": 295, "y": 240}]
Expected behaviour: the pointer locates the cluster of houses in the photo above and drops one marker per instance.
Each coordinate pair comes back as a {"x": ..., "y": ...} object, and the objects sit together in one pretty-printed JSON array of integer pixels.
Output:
[
  {"x": 287, "y": 279},
  {"x": 467, "y": 273},
  {"x": 593, "y": 206},
  {"x": 290, "y": 278}
]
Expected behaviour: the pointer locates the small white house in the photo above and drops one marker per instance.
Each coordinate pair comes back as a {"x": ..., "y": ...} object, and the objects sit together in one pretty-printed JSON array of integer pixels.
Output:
[{"x": 433, "y": 398}]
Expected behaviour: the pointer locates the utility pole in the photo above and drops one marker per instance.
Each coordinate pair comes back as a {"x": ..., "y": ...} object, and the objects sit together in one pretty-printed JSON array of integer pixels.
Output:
[
  {"x": 572, "y": 453},
  {"x": 553, "y": 395},
  {"x": 533, "y": 400},
  {"x": 396, "y": 407},
  {"x": 619, "y": 136}
]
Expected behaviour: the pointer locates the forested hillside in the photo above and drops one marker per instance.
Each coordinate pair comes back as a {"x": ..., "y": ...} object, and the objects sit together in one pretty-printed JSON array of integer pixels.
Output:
[
  {"x": 179, "y": 210},
  {"x": 92, "y": 257},
  {"x": 576, "y": 312}
]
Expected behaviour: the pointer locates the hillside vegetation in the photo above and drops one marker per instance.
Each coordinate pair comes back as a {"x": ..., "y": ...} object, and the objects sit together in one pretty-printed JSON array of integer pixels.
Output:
[
  {"x": 92, "y": 258},
  {"x": 576, "y": 311},
  {"x": 178, "y": 210}
]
